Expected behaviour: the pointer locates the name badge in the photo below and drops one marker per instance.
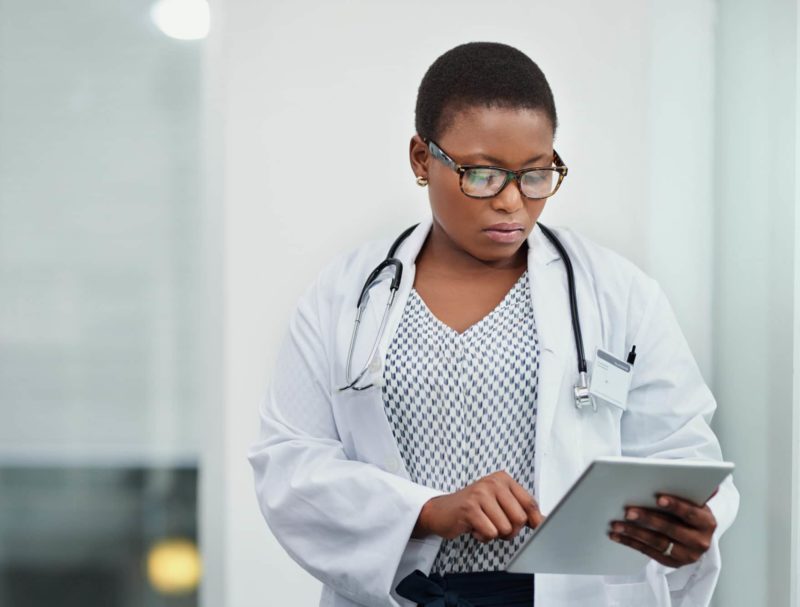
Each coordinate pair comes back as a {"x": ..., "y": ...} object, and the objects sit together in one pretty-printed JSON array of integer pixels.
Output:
[{"x": 611, "y": 379}]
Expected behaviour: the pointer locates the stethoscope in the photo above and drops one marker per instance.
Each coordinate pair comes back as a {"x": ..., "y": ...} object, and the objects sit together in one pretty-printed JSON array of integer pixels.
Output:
[{"x": 391, "y": 263}]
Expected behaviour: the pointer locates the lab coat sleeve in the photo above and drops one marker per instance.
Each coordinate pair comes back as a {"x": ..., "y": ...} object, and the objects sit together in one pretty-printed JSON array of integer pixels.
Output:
[
  {"x": 669, "y": 414},
  {"x": 346, "y": 522}
]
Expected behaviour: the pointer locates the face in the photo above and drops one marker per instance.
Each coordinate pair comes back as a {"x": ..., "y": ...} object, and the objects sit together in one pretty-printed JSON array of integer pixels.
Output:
[{"x": 490, "y": 229}]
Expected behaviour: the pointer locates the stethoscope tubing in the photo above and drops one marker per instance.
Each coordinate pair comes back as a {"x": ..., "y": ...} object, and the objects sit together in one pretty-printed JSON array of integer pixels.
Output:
[{"x": 573, "y": 299}]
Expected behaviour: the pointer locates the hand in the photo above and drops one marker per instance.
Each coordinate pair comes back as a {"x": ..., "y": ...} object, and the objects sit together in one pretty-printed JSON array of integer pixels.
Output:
[
  {"x": 495, "y": 506},
  {"x": 687, "y": 525}
]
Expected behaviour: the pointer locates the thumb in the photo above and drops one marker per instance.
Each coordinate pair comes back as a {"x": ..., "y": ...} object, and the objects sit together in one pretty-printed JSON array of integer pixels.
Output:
[
  {"x": 535, "y": 516},
  {"x": 530, "y": 505}
]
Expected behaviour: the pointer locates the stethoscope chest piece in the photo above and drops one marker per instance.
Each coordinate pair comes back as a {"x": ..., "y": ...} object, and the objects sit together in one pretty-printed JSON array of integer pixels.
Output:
[{"x": 582, "y": 397}]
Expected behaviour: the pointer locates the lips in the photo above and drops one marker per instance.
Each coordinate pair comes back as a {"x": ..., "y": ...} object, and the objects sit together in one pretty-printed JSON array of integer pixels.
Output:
[
  {"x": 506, "y": 227},
  {"x": 507, "y": 233}
]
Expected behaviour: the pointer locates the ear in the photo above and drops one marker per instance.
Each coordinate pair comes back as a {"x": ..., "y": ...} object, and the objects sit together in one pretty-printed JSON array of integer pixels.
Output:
[{"x": 418, "y": 156}]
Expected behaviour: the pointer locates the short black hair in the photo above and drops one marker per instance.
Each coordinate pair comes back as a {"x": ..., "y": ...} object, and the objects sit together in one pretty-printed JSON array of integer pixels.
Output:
[{"x": 487, "y": 74}]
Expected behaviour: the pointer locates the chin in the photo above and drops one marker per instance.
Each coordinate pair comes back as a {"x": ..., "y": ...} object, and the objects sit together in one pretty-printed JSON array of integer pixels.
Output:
[{"x": 498, "y": 252}]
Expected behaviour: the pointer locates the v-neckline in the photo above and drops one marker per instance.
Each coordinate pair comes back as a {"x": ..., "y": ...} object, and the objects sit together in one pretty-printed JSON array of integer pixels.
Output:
[{"x": 474, "y": 327}]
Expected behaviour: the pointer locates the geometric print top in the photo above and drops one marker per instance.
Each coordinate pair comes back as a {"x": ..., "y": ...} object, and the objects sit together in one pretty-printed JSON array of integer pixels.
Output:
[{"x": 463, "y": 405}]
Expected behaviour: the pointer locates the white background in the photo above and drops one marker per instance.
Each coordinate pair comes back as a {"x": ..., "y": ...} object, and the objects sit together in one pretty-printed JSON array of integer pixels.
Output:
[{"x": 667, "y": 124}]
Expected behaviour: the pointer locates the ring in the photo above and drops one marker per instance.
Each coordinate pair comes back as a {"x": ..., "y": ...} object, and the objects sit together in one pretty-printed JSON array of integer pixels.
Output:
[{"x": 668, "y": 551}]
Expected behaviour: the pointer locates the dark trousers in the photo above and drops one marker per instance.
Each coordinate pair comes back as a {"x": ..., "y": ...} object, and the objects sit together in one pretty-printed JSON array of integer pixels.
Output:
[{"x": 475, "y": 589}]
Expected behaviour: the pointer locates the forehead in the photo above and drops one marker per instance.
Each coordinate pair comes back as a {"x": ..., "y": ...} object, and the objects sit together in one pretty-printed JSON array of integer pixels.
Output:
[{"x": 508, "y": 133}]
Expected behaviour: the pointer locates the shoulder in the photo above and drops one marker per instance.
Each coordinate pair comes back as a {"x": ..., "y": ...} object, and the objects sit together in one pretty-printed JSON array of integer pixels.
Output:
[
  {"x": 597, "y": 258},
  {"x": 332, "y": 295},
  {"x": 352, "y": 265},
  {"x": 620, "y": 287},
  {"x": 338, "y": 282},
  {"x": 602, "y": 264}
]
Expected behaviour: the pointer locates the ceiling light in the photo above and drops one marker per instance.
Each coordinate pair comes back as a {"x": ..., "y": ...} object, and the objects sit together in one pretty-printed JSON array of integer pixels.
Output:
[{"x": 182, "y": 19}]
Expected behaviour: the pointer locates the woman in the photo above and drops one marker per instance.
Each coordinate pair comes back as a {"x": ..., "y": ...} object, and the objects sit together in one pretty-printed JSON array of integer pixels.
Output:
[{"x": 405, "y": 465}]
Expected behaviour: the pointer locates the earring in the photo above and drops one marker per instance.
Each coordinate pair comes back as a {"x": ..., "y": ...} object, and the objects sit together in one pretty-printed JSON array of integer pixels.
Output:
[{"x": 422, "y": 181}]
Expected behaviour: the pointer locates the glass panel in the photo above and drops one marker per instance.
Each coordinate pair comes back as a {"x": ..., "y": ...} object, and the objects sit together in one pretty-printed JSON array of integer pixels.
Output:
[
  {"x": 102, "y": 334},
  {"x": 99, "y": 224}
]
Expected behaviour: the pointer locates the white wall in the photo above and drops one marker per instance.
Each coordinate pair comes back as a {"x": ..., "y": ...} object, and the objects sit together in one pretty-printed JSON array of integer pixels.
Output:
[
  {"x": 332, "y": 85},
  {"x": 794, "y": 563},
  {"x": 678, "y": 222},
  {"x": 756, "y": 142}
]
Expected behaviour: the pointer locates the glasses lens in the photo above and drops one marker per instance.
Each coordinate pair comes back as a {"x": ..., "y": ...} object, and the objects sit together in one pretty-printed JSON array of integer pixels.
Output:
[
  {"x": 482, "y": 182},
  {"x": 539, "y": 183}
]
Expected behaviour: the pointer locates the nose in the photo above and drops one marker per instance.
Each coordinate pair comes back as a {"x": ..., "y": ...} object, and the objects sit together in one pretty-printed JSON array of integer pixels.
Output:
[{"x": 510, "y": 198}]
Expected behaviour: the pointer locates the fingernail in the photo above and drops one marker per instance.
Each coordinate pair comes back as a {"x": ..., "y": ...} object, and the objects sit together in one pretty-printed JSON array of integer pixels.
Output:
[
  {"x": 615, "y": 537},
  {"x": 663, "y": 501},
  {"x": 632, "y": 515},
  {"x": 618, "y": 527}
]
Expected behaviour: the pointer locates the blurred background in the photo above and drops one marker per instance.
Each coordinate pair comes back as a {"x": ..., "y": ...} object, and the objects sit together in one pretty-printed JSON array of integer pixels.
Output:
[
  {"x": 158, "y": 221},
  {"x": 104, "y": 333}
]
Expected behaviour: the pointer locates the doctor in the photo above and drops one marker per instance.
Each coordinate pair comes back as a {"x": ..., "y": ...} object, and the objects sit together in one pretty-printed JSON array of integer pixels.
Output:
[{"x": 404, "y": 463}]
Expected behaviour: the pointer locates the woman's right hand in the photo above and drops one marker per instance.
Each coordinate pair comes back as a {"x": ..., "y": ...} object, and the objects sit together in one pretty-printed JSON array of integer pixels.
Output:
[{"x": 495, "y": 506}]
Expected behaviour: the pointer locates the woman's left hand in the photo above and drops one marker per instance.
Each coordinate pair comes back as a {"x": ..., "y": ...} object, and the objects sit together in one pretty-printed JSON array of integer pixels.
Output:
[{"x": 687, "y": 526}]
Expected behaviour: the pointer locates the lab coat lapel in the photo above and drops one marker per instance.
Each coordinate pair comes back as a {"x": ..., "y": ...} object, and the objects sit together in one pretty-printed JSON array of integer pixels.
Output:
[
  {"x": 378, "y": 296},
  {"x": 407, "y": 254},
  {"x": 550, "y": 296},
  {"x": 367, "y": 434}
]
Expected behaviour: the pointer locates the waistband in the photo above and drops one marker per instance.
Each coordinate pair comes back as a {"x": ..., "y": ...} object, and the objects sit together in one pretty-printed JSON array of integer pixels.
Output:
[{"x": 472, "y": 589}]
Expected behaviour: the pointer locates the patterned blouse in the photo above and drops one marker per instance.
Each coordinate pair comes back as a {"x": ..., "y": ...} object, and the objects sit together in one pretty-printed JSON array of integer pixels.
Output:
[{"x": 463, "y": 405}]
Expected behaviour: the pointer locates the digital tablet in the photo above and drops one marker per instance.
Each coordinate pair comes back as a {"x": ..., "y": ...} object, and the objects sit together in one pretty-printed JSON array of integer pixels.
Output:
[{"x": 574, "y": 536}]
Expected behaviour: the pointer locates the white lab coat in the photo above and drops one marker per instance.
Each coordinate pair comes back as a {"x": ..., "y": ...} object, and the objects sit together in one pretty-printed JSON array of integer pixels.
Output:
[{"x": 329, "y": 476}]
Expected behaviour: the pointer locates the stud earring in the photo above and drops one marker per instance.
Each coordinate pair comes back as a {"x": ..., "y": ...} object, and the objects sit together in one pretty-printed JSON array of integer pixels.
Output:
[{"x": 422, "y": 181}]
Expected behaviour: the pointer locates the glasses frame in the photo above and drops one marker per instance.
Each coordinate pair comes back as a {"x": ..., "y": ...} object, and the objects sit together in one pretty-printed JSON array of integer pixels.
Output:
[{"x": 560, "y": 168}]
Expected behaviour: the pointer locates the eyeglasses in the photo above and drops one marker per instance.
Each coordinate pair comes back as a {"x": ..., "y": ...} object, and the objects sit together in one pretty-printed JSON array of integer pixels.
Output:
[{"x": 481, "y": 181}]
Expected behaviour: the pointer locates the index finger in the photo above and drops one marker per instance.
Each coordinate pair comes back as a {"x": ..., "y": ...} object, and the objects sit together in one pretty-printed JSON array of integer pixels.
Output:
[{"x": 699, "y": 517}]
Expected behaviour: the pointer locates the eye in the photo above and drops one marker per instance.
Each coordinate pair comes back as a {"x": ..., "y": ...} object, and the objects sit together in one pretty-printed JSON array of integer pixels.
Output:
[
  {"x": 482, "y": 182},
  {"x": 539, "y": 184},
  {"x": 483, "y": 177},
  {"x": 536, "y": 177}
]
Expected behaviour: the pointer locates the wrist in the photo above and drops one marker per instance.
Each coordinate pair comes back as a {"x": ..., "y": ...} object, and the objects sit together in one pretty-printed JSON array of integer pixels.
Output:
[{"x": 421, "y": 529}]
